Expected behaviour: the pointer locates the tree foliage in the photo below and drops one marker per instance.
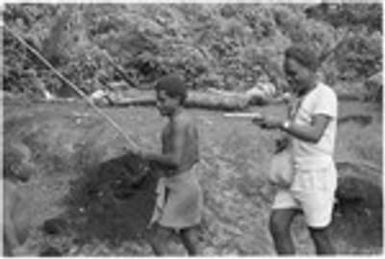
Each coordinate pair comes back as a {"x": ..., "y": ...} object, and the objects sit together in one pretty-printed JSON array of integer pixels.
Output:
[{"x": 228, "y": 46}]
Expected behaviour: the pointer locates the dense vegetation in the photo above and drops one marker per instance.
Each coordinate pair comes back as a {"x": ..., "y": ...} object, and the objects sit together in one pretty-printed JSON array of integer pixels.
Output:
[{"x": 228, "y": 46}]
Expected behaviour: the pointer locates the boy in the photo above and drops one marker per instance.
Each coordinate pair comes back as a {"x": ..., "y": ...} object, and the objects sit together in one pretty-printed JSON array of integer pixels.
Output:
[{"x": 179, "y": 202}]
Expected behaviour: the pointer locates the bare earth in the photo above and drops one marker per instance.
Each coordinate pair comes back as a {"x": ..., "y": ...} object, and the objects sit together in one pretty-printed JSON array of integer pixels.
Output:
[{"x": 71, "y": 150}]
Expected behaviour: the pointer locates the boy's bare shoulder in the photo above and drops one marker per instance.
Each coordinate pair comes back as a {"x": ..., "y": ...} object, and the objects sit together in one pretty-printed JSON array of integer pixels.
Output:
[{"x": 185, "y": 121}]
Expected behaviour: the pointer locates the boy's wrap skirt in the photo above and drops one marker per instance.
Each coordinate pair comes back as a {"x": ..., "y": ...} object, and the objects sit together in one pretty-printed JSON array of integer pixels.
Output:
[{"x": 179, "y": 201}]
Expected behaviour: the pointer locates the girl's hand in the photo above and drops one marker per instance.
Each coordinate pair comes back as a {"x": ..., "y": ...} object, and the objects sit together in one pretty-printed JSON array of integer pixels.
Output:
[
  {"x": 268, "y": 122},
  {"x": 271, "y": 123},
  {"x": 258, "y": 120}
]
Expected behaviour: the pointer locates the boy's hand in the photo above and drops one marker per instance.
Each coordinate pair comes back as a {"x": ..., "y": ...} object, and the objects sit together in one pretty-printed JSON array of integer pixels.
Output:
[
  {"x": 134, "y": 152},
  {"x": 148, "y": 155},
  {"x": 142, "y": 154}
]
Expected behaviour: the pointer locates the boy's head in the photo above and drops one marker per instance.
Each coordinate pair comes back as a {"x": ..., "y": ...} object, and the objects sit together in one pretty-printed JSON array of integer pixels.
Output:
[
  {"x": 171, "y": 93},
  {"x": 300, "y": 66}
]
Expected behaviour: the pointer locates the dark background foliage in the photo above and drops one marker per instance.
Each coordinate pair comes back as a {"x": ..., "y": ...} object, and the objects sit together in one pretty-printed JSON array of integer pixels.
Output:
[{"x": 227, "y": 46}]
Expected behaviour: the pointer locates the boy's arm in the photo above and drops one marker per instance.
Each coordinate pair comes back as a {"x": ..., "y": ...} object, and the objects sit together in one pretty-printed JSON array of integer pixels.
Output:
[{"x": 173, "y": 159}]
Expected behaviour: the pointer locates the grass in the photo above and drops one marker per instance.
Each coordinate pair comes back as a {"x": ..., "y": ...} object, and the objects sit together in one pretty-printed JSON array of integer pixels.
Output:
[
  {"x": 71, "y": 143},
  {"x": 360, "y": 143}
]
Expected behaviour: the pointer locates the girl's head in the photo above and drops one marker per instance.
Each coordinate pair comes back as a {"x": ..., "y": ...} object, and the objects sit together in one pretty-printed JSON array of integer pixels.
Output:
[{"x": 300, "y": 66}]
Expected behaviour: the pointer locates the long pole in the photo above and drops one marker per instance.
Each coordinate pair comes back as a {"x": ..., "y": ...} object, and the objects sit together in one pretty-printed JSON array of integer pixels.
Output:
[{"x": 77, "y": 89}]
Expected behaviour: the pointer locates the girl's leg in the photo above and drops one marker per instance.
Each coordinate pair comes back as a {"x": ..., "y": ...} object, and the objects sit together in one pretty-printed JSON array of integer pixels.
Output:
[
  {"x": 190, "y": 240},
  {"x": 159, "y": 238}
]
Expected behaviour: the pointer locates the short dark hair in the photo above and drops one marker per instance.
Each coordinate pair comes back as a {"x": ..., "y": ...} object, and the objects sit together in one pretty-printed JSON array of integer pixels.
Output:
[
  {"x": 173, "y": 85},
  {"x": 304, "y": 55}
]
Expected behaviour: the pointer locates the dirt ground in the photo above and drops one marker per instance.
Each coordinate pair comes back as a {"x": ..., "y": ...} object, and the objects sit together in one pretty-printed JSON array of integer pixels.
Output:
[{"x": 80, "y": 171}]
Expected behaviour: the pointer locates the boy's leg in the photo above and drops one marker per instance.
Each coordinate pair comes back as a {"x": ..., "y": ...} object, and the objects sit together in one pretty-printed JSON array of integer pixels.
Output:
[
  {"x": 280, "y": 222},
  {"x": 322, "y": 241},
  {"x": 159, "y": 238},
  {"x": 190, "y": 239}
]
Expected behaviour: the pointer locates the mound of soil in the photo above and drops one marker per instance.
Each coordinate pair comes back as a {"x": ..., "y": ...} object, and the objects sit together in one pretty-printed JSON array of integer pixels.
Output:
[
  {"x": 113, "y": 200},
  {"x": 55, "y": 226}
]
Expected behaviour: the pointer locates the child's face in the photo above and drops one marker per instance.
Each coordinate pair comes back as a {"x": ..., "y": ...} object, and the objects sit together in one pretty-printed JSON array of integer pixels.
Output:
[
  {"x": 298, "y": 77},
  {"x": 166, "y": 104}
]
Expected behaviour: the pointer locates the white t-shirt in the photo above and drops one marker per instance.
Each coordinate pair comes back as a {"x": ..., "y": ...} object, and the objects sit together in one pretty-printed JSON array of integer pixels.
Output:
[{"x": 321, "y": 100}]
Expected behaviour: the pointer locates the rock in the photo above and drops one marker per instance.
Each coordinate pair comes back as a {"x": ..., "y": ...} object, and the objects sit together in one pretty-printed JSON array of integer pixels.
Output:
[
  {"x": 363, "y": 120},
  {"x": 357, "y": 185},
  {"x": 354, "y": 191},
  {"x": 50, "y": 252},
  {"x": 55, "y": 226},
  {"x": 98, "y": 94},
  {"x": 358, "y": 212},
  {"x": 17, "y": 161}
]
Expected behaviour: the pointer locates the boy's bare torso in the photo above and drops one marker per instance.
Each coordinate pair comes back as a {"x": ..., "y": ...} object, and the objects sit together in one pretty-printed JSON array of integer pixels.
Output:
[{"x": 181, "y": 132}]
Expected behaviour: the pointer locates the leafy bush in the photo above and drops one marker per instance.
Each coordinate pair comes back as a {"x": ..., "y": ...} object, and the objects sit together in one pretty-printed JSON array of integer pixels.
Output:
[
  {"x": 228, "y": 46},
  {"x": 361, "y": 56}
]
